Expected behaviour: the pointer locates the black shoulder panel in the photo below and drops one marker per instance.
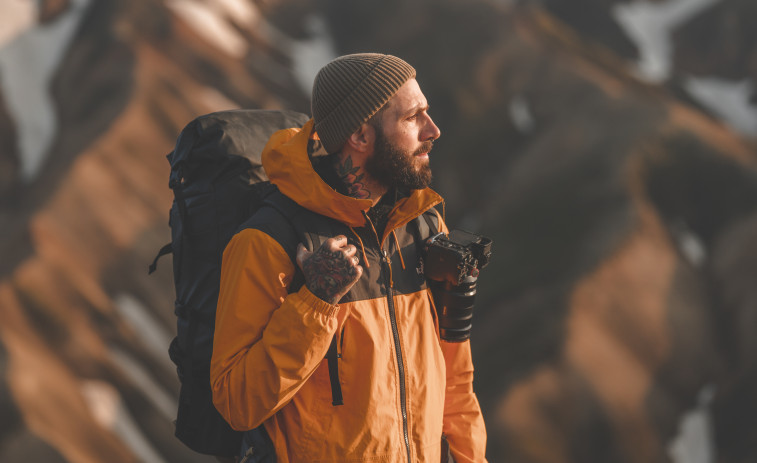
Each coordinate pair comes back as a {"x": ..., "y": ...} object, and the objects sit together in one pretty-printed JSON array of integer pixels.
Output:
[{"x": 271, "y": 222}]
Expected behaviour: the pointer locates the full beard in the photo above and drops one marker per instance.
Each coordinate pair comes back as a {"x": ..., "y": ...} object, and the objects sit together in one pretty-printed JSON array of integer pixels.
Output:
[{"x": 392, "y": 166}]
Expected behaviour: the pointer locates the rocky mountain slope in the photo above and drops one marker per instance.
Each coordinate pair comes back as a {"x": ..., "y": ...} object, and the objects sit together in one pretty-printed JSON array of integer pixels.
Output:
[{"x": 615, "y": 323}]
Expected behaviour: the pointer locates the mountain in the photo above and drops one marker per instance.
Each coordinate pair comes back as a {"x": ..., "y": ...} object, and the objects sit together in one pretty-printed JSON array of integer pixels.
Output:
[
  {"x": 615, "y": 322},
  {"x": 702, "y": 50}
]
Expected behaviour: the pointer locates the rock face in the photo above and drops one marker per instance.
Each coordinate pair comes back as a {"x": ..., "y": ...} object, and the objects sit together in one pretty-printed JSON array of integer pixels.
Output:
[
  {"x": 720, "y": 42},
  {"x": 85, "y": 373},
  {"x": 702, "y": 50},
  {"x": 624, "y": 223}
]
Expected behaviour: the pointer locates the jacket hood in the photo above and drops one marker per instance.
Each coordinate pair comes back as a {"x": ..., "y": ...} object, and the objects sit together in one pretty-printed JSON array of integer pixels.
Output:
[{"x": 288, "y": 166}]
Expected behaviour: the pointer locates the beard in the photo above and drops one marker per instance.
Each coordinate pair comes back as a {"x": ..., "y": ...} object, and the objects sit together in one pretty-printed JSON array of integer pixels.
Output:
[{"x": 392, "y": 166}]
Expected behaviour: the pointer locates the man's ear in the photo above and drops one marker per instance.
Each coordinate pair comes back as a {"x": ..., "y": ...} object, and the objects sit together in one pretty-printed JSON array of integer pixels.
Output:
[{"x": 362, "y": 139}]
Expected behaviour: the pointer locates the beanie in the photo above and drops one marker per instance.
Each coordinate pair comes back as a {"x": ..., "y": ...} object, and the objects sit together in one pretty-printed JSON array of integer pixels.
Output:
[{"x": 351, "y": 89}]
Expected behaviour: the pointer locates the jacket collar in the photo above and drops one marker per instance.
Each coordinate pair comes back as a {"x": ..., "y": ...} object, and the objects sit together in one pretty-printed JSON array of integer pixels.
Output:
[{"x": 286, "y": 161}]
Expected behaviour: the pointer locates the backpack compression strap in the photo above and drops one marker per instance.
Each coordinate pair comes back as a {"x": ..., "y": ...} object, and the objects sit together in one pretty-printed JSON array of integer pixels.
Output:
[
  {"x": 167, "y": 249},
  {"x": 290, "y": 210}
]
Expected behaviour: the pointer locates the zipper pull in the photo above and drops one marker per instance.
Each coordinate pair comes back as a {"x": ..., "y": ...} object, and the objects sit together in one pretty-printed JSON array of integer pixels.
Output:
[{"x": 388, "y": 261}]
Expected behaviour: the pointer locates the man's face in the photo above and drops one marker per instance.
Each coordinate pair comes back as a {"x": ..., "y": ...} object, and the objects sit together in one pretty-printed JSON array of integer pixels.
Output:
[{"x": 404, "y": 135}]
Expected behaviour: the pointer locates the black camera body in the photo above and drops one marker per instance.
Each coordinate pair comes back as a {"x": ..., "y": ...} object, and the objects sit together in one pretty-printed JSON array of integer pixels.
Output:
[{"x": 452, "y": 264}]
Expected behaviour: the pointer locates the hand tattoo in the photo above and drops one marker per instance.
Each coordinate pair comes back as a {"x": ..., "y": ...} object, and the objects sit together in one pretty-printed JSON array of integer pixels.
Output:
[{"x": 328, "y": 274}]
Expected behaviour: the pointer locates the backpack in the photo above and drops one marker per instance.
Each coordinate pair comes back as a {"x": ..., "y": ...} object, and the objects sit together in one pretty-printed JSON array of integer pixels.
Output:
[{"x": 218, "y": 183}]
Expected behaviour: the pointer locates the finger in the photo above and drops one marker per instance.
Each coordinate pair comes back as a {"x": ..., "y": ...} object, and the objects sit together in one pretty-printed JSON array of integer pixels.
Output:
[
  {"x": 358, "y": 274},
  {"x": 350, "y": 250},
  {"x": 332, "y": 244},
  {"x": 302, "y": 254}
]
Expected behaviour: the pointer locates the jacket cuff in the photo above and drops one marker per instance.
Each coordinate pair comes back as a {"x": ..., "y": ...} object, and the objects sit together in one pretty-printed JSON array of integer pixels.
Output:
[{"x": 318, "y": 304}]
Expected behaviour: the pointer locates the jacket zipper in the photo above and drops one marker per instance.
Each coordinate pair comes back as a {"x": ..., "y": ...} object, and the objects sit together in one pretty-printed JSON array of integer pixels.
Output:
[
  {"x": 396, "y": 335},
  {"x": 400, "y": 363}
]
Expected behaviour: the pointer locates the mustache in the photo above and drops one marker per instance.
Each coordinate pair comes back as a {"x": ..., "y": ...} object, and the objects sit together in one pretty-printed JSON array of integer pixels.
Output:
[{"x": 424, "y": 148}]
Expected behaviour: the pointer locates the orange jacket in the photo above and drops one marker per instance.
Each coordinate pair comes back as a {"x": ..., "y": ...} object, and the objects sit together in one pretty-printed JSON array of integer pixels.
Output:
[{"x": 403, "y": 387}]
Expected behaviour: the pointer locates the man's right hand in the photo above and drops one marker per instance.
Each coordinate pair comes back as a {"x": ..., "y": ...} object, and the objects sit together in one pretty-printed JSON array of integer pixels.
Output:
[{"x": 331, "y": 270}]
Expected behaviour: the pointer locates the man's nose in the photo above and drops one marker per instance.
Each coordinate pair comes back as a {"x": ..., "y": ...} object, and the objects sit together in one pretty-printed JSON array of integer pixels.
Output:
[{"x": 430, "y": 130}]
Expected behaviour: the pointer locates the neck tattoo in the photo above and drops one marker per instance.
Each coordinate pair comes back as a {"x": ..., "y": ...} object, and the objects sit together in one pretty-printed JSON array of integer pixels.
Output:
[{"x": 353, "y": 178}]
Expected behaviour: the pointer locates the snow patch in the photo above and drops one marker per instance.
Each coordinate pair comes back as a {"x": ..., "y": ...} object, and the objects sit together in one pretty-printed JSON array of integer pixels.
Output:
[
  {"x": 650, "y": 26},
  {"x": 103, "y": 402},
  {"x": 243, "y": 11},
  {"x": 153, "y": 336},
  {"x": 160, "y": 399},
  {"x": 691, "y": 246},
  {"x": 16, "y": 17},
  {"x": 309, "y": 56},
  {"x": 728, "y": 100},
  {"x": 695, "y": 441},
  {"x": 520, "y": 114},
  {"x": 213, "y": 21},
  {"x": 219, "y": 21},
  {"x": 27, "y": 65},
  {"x": 106, "y": 406}
]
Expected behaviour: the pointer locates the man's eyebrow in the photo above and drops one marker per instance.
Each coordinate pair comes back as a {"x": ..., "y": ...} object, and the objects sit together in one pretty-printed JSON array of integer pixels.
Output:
[{"x": 416, "y": 109}]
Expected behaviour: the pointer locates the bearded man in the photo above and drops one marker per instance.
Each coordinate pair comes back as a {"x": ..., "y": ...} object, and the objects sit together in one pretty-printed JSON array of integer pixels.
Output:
[{"x": 334, "y": 351}]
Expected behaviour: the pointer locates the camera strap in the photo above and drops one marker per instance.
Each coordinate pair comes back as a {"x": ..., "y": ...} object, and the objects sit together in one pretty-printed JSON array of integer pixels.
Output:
[{"x": 424, "y": 229}]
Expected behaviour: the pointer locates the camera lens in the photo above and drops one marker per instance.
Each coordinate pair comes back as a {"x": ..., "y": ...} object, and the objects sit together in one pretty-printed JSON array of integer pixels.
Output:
[{"x": 454, "y": 307}]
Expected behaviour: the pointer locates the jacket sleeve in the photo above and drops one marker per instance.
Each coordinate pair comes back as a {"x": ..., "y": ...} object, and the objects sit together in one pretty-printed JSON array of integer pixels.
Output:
[
  {"x": 463, "y": 422},
  {"x": 267, "y": 343}
]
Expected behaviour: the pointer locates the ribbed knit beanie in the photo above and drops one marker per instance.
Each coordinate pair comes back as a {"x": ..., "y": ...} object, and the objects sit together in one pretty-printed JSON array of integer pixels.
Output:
[{"x": 351, "y": 89}]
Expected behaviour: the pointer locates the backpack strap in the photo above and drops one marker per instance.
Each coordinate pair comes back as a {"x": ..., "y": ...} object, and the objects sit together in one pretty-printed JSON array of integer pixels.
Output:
[
  {"x": 175, "y": 185},
  {"x": 333, "y": 356},
  {"x": 167, "y": 249},
  {"x": 291, "y": 211}
]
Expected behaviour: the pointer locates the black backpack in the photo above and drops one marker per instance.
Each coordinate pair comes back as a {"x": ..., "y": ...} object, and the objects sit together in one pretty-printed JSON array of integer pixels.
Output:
[{"x": 218, "y": 183}]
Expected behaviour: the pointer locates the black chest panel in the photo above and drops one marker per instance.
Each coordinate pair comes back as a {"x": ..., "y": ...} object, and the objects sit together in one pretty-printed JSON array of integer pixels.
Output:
[{"x": 290, "y": 224}]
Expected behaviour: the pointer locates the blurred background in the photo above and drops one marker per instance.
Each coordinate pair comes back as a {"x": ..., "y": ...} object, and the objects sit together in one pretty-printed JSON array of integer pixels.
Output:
[{"x": 608, "y": 147}]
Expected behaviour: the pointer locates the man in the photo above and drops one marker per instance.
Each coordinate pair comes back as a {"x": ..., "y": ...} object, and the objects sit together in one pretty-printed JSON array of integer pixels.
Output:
[{"x": 406, "y": 394}]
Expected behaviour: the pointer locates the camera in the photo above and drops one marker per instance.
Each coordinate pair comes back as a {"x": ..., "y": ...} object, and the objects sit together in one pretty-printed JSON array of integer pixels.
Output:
[{"x": 452, "y": 264}]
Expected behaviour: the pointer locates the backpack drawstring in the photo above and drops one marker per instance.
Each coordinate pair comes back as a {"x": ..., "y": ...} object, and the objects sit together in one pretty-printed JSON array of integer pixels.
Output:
[
  {"x": 386, "y": 256},
  {"x": 399, "y": 249}
]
